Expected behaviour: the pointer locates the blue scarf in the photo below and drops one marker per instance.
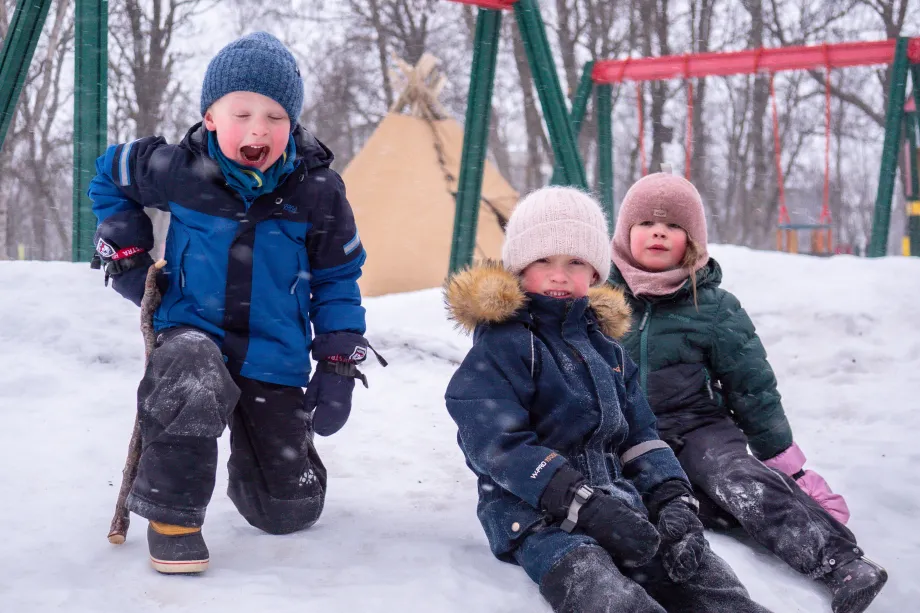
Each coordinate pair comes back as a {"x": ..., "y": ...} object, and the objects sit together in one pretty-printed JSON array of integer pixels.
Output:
[{"x": 250, "y": 182}]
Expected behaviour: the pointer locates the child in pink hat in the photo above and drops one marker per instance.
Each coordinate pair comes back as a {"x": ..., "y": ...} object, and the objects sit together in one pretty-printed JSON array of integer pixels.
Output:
[{"x": 708, "y": 381}]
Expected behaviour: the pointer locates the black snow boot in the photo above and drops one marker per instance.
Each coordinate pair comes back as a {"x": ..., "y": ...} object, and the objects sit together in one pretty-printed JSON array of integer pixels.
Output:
[
  {"x": 176, "y": 550},
  {"x": 855, "y": 585}
]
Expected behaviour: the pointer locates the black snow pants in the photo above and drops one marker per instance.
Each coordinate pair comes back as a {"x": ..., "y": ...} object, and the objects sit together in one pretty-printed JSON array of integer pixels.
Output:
[
  {"x": 587, "y": 580},
  {"x": 737, "y": 490},
  {"x": 185, "y": 400}
]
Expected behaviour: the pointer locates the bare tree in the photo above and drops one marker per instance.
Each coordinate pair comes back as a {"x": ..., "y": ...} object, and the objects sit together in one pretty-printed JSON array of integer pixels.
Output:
[{"x": 37, "y": 154}]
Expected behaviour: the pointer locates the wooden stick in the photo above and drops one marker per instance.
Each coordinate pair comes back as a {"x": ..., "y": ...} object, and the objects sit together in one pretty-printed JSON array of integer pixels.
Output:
[{"x": 149, "y": 303}]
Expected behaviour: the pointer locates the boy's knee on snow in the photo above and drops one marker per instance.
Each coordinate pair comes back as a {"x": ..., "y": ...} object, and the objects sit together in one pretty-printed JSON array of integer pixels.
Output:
[{"x": 276, "y": 515}]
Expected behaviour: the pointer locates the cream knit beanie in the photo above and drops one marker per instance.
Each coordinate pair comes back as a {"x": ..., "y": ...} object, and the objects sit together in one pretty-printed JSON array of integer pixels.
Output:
[{"x": 557, "y": 221}]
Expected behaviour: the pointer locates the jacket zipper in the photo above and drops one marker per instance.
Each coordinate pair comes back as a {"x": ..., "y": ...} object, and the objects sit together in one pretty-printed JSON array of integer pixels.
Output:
[
  {"x": 593, "y": 441},
  {"x": 643, "y": 348}
]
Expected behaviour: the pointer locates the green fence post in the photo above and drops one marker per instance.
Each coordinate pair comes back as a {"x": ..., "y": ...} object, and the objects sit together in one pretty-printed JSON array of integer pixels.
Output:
[
  {"x": 579, "y": 107},
  {"x": 539, "y": 56},
  {"x": 16, "y": 56},
  {"x": 475, "y": 138},
  {"x": 89, "y": 142},
  {"x": 878, "y": 245},
  {"x": 603, "y": 111}
]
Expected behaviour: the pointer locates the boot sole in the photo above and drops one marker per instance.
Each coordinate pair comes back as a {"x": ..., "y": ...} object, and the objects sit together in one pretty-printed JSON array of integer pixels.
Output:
[
  {"x": 860, "y": 601},
  {"x": 186, "y": 567}
]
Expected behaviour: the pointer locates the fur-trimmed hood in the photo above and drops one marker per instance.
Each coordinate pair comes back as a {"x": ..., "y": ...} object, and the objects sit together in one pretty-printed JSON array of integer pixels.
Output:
[{"x": 489, "y": 294}]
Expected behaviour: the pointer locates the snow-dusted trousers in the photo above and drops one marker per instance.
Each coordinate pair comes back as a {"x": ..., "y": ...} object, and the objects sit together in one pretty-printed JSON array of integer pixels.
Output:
[
  {"x": 587, "y": 580},
  {"x": 736, "y": 489},
  {"x": 185, "y": 400}
]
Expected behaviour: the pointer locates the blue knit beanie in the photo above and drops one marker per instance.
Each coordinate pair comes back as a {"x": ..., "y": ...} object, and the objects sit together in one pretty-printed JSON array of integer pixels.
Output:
[{"x": 258, "y": 63}]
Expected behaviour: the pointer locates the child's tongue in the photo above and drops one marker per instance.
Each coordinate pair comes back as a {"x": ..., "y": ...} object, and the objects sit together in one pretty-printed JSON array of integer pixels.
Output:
[{"x": 254, "y": 155}]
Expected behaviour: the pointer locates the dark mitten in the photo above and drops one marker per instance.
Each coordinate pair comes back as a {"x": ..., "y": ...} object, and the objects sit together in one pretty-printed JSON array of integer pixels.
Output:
[
  {"x": 682, "y": 542},
  {"x": 329, "y": 392},
  {"x": 617, "y": 527},
  {"x": 126, "y": 267}
]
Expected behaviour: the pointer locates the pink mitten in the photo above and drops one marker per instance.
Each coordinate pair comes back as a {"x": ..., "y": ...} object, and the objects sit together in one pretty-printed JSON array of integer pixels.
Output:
[{"x": 791, "y": 462}]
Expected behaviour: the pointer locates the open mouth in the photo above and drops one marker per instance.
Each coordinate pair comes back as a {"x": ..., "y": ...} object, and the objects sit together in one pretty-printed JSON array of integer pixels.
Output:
[
  {"x": 555, "y": 293},
  {"x": 254, "y": 155}
]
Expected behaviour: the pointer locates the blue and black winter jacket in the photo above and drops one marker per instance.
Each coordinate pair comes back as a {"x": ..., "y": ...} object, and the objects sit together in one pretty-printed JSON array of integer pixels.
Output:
[
  {"x": 253, "y": 273},
  {"x": 545, "y": 384}
]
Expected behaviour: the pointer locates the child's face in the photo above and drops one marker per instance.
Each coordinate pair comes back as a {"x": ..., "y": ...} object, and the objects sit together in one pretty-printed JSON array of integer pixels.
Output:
[
  {"x": 657, "y": 246},
  {"x": 559, "y": 276},
  {"x": 252, "y": 129}
]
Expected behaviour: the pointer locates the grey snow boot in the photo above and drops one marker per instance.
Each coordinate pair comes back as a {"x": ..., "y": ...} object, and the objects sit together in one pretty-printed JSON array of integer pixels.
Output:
[
  {"x": 855, "y": 585},
  {"x": 176, "y": 550}
]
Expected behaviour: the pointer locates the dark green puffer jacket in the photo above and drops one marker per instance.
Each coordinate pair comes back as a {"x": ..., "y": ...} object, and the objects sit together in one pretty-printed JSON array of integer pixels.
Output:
[{"x": 698, "y": 365}]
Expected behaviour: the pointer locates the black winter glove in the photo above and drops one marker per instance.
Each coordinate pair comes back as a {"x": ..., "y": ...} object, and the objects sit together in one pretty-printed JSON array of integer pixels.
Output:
[
  {"x": 329, "y": 393},
  {"x": 682, "y": 542},
  {"x": 126, "y": 267},
  {"x": 617, "y": 527}
]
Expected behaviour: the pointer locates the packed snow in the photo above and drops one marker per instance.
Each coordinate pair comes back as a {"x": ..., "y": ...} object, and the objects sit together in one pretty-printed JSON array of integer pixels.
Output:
[{"x": 399, "y": 531}]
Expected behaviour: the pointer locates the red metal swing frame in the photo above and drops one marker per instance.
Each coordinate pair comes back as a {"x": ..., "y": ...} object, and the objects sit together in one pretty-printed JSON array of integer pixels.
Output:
[{"x": 757, "y": 61}]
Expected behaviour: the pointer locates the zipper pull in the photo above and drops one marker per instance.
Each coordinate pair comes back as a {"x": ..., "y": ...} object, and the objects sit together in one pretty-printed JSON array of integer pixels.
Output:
[{"x": 644, "y": 321}]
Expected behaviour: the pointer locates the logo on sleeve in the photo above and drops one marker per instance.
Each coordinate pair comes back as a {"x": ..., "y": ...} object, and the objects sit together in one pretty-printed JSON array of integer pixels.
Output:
[
  {"x": 543, "y": 464},
  {"x": 104, "y": 249}
]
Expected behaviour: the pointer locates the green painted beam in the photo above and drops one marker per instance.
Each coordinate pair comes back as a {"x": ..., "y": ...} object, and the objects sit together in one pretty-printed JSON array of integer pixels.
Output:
[
  {"x": 475, "y": 138},
  {"x": 582, "y": 95},
  {"x": 603, "y": 110},
  {"x": 16, "y": 56},
  {"x": 878, "y": 245},
  {"x": 546, "y": 80},
  {"x": 90, "y": 129},
  {"x": 579, "y": 108},
  {"x": 913, "y": 130}
]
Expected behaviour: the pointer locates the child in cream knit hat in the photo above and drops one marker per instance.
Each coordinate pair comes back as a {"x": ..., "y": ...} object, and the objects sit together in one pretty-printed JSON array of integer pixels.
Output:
[
  {"x": 708, "y": 380},
  {"x": 574, "y": 484}
]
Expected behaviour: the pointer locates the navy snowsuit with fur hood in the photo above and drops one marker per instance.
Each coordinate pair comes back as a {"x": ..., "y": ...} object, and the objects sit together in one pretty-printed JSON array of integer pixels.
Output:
[{"x": 545, "y": 384}]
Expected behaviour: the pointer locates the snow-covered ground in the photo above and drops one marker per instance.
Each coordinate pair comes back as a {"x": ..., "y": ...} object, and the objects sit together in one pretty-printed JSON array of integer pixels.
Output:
[{"x": 399, "y": 533}]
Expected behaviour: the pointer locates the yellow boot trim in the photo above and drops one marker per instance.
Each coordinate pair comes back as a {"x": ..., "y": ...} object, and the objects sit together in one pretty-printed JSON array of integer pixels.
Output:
[{"x": 171, "y": 530}]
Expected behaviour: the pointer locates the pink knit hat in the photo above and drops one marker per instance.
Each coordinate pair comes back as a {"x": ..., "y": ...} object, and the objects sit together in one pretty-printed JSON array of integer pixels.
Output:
[
  {"x": 557, "y": 220},
  {"x": 659, "y": 197}
]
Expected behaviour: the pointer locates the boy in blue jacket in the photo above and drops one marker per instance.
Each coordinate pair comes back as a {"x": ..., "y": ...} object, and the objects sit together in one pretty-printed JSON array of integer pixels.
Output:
[
  {"x": 574, "y": 484},
  {"x": 262, "y": 243}
]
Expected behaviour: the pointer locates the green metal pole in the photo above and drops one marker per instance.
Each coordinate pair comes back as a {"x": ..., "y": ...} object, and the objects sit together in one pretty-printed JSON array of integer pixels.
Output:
[
  {"x": 475, "y": 138},
  {"x": 878, "y": 245},
  {"x": 913, "y": 133},
  {"x": 16, "y": 56},
  {"x": 579, "y": 107},
  {"x": 582, "y": 95},
  {"x": 539, "y": 56},
  {"x": 89, "y": 141},
  {"x": 603, "y": 111},
  {"x": 912, "y": 138}
]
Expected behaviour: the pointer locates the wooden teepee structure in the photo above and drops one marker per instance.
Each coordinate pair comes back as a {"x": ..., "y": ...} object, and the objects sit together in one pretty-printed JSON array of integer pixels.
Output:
[{"x": 402, "y": 187}]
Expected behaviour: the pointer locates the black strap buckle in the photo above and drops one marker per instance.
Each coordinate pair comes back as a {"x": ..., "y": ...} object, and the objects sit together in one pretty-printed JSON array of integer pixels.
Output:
[{"x": 344, "y": 369}]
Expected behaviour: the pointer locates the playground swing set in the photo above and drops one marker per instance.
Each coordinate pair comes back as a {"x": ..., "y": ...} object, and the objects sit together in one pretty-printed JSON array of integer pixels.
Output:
[
  {"x": 600, "y": 75},
  {"x": 903, "y": 54}
]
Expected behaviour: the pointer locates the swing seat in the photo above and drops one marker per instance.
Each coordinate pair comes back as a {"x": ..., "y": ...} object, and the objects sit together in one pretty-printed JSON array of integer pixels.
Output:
[{"x": 787, "y": 238}]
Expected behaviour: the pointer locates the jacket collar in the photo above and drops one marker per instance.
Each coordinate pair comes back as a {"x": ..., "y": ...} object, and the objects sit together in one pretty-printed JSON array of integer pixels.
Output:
[{"x": 489, "y": 294}]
